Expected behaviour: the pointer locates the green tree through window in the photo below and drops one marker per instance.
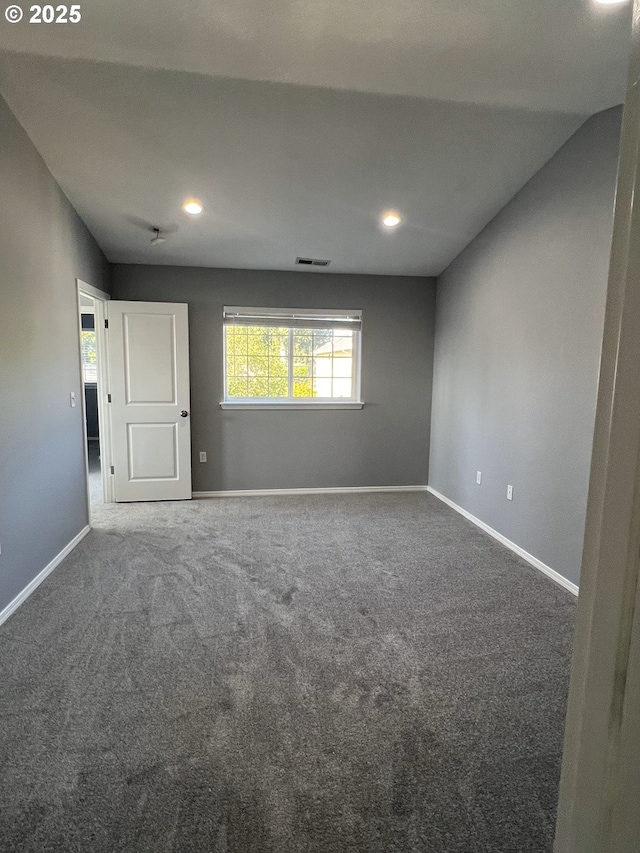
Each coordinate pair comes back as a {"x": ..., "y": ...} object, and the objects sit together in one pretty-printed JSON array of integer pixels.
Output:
[
  {"x": 89, "y": 355},
  {"x": 257, "y": 360}
]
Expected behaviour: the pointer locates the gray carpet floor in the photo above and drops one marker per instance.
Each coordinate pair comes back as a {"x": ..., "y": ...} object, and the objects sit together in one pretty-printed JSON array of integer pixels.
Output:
[{"x": 269, "y": 675}]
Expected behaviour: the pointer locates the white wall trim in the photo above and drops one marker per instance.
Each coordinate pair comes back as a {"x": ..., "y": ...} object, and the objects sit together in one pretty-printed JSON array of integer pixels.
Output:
[
  {"x": 242, "y": 493},
  {"x": 533, "y": 561},
  {"x": 29, "y": 588},
  {"x": 90, "y": 290}
]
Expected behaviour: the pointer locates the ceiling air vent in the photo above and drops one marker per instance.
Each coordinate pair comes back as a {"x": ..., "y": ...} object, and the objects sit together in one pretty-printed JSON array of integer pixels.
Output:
[{"x": 312, "y": 262}]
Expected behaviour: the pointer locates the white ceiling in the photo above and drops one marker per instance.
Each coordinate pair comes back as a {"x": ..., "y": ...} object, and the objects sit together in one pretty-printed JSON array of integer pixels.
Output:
[{"x": 298, "y": 122}]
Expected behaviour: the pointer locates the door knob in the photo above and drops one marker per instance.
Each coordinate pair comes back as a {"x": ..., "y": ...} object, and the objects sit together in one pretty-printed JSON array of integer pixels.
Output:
[{"x": 184, "y": 413}]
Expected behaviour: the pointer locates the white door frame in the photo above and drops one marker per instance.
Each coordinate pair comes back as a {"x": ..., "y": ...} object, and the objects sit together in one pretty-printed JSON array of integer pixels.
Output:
[
  {"x": 599, "y": 806},
  {"x": 100, "y": 299}
]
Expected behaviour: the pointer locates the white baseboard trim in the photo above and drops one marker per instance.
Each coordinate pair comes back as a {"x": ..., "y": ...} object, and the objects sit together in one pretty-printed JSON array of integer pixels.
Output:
[
  {"x": 533, "y": 561},
  {"x": 339, "y": 490},
  {"x": 29, "y": 588}
]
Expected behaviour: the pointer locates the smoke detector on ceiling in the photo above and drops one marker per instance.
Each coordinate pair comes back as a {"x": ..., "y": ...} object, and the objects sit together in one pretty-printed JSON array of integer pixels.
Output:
[{"x": 312, "y": 262}]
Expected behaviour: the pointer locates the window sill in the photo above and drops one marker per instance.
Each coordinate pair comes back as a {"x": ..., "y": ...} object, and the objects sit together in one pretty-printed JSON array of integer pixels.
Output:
[{"x": 274, "y": 406}]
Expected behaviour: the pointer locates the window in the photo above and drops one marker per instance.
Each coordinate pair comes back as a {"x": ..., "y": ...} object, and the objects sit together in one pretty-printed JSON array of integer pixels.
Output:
[
  {"x": 88, "y": 349},
  {"x": 291, "y": 358}
]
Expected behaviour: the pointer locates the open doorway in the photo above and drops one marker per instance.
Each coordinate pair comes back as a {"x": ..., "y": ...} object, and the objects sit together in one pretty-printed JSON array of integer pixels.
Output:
[
  {"x": 93, "y": 367},
  {"x": 89, "y": 360}
]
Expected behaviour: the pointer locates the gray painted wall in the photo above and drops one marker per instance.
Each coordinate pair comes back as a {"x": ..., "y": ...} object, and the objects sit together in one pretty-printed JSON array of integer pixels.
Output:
[
  {"x": 43, "y": 247},
  {"x": 386, "y": 443},
  {"x": 519, "y": 326}
]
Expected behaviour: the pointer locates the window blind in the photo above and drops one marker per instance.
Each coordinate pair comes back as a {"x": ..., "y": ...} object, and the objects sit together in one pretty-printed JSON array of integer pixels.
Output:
[{"x": 293, "y": 318}]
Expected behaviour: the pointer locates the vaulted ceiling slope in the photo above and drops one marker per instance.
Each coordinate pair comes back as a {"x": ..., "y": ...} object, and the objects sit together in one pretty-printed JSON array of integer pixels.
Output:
[{"x": 298, "y": 123}]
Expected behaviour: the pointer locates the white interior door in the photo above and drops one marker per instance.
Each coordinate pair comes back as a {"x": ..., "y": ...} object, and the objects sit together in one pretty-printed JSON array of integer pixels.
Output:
[{"x": 149, "y": 386}]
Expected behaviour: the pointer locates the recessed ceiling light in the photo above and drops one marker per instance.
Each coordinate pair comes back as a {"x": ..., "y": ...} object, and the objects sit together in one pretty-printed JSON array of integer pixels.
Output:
[
  {"x": 192, "y": 206},
  {"x": 610, "y": 2},
  {"x": 391, "y": 219}
]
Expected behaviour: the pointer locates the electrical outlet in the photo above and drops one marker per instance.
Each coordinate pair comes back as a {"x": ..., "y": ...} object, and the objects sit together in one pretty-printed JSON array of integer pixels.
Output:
[
  {"x": 203, "y": 455},
  {"x": 72, "y": 399},
  {"x": 509, "y": 493},
  {"x": 479, "y": 477}
]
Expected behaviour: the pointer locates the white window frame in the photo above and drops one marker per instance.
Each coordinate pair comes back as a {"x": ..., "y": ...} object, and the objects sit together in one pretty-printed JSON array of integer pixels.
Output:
[{"x": 292, "y": 318}]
